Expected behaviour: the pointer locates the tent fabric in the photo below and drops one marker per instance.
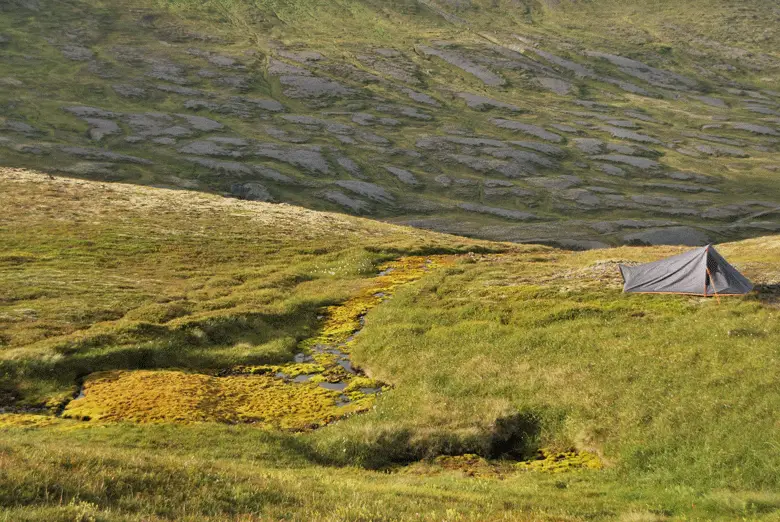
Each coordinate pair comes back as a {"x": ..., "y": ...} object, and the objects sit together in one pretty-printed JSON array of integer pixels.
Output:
[{"x": 702, "y": 271}]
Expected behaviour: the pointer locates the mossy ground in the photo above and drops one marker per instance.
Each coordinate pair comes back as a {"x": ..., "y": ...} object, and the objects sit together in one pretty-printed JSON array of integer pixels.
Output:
[{"x": 260, "y": 395}]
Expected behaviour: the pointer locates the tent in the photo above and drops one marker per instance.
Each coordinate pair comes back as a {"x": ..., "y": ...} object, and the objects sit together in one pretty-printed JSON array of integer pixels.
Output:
[{"x": 702, "y": 271}]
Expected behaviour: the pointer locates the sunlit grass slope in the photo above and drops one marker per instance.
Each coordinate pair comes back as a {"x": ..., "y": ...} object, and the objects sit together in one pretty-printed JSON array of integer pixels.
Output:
[{"x": 506, "y": 352}]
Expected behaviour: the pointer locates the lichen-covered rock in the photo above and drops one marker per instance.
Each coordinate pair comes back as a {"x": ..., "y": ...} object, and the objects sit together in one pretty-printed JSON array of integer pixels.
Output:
[
  {"x": 482, "y": 103},
  {"x": 556, "y": 183},
  {"x": 403, "y": 175},
  {"x": 309, "y": 159},
  {"x": 368, "y": 190},
  {"x": 484, "y": 74},
  {"x": 515, "y": 215},
  {"x": 129, "y": 91},
  {"x": 339, "y": 198},
  {"x": 100, "y": 128},
  {"x": 200, "y": 123},
  {"x": 77, "y": 53},
  {"x": 638, "y": 162},
  {"x": 589, "y": 145},
  {"x": 100, "y": 154},
  {"x": 756, "y": 129},
  {"x": 252, "y": 191},
  {"x": 556, "y": 85},
  {"x": 526, "y": 128}
]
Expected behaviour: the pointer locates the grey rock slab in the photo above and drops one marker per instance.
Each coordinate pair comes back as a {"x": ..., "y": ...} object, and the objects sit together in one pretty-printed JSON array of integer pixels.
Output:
[
  {"x": 200, "y": 123},
  {"x": 178, "y": 89},
  {"x": 223, "y": 167},
  {"x": 100, "y": 154},
  {"x": 638, "y": 162},
  {"x": 20, "y": 127},
  {"x": 523, "y": 156},
  {"x": 264, "y": 104},
  {"x": 339, "y": 198},
  {"x": 350, "y": 166},
  {"x": 681, "y": 187},
  {"x": 479, "y": 164},
  {"x": 367, "y": 190},
  {"x": 420, "y": 97},
  {"x": 755, "y": 129},
  {"x": 481, "y": 103},
  {"x": 630, "y": 135},
  {"x": 515, "y": 215},
  {"x": 544, "y": 148},
  {"x": 624, "y": 124},
  {"x": 565, "y": 128},
  {"x": 274, "y": 175},
  {"x": 611, "y": 170},
  {"x": 713, "y": 102},
  {"x": 484, "y": 74},
  {"x": 211, "y": 148},
  {"x": 687, "y": 236},
  {"x": 280, "y": 68},
  {"x": 589, "y": 145},
  {"x": 252, "y": 191},
  {"x": 579, "y": 70},
  {"x": 497, "y": 183},
  {"x": 238, "y": 82},
  {"x": 443, "y": 179},
  {"x": 640, "y": 116},
  {"x": 580, "y": 196},
  {"x": 169, "y": 73},
  {"x": 556, "y": 85},
  {"x": 475, "y": 142},
  {"x": 404, "y": 110},
  {"x": 164, "y": 141},
  {"x": 388, "y": 53},
  {"x": 83, "y": 111},
  {"x": 651, "y": 75},
  {"x": 526, "y": 128},
  {"x": 129, "y": 91},
  {"x": 621, "y": 148},
  {"x": 403, "y": 175},
  {"x": 555, "y": 183},
  {"x": 311, "y": 160},
  {"x": 722, "y": 150},
  {"x": 77, "y": 53},
  {"x": 100, "y": 128},
  {"x": 301, "y": 56},
  {"x": 312, "y": 87}
]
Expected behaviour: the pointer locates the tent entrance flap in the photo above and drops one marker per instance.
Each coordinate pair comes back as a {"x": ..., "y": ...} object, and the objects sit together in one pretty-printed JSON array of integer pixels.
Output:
[{"x": 702, "y": 271}]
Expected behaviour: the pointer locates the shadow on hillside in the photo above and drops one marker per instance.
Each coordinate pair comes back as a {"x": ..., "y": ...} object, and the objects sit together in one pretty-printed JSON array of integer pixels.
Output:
[
  {"x": 199, "y": 345},
  {"x": 513, "y": 437}
]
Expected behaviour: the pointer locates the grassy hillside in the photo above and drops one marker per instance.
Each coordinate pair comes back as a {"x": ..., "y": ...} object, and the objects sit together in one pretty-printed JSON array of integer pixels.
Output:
[
  {"x": 648, "y": 407},
  {"x": 579, "y": 124}
]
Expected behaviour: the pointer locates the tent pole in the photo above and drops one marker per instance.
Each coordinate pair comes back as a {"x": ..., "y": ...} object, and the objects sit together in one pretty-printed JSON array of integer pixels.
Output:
[{"x": 713, "y": 286}]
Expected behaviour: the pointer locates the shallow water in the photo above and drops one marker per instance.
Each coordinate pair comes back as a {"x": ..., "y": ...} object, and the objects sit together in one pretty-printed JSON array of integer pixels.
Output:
[{"x": 335, "y": 386}]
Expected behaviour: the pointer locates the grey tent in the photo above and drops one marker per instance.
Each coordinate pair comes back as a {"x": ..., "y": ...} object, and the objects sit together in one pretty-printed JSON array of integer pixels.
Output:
[{"x": 702, "y": 271}]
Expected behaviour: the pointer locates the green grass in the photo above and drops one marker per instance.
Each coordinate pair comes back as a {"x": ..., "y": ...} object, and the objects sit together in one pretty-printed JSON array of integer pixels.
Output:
[{"x": 499, "y": 355}]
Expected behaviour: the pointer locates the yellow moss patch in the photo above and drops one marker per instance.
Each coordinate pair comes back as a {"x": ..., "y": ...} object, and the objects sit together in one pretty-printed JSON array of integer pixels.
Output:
[
  {"x": 22, "y": 420},
  {"x": 290, "y": 370},
  {"x": 558, "y": 462},
  {"x": 343, "y": 320},
  {"x": 175, "y": 396}
]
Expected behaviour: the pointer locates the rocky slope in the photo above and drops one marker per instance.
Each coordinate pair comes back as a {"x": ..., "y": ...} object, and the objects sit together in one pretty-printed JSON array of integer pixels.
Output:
[{"x": 507, "y": 121}]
